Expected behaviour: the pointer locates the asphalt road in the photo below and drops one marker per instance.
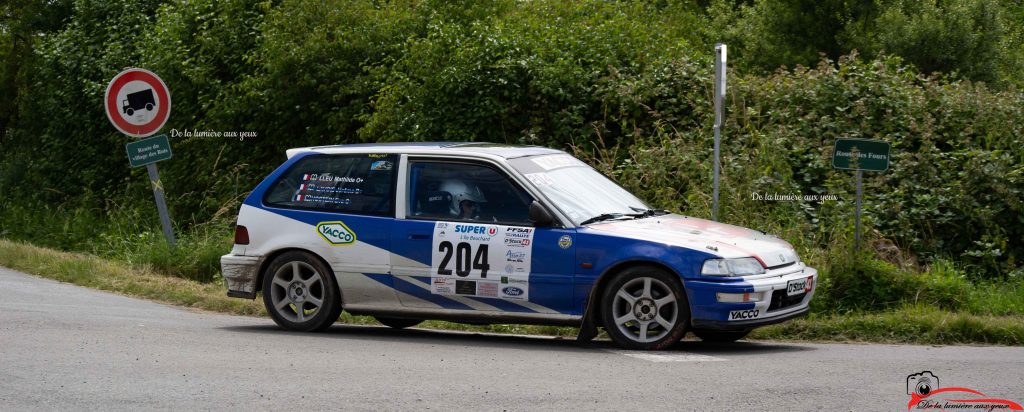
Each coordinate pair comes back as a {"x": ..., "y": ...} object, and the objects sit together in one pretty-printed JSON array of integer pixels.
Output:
[{"x": 64, "y": 347}]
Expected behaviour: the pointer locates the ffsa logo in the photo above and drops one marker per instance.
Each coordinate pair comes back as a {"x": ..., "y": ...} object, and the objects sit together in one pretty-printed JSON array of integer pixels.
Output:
[{"x": 336, "y": 233}]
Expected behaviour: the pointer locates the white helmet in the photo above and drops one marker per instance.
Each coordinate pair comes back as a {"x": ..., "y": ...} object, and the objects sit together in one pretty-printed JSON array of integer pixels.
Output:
[{"x": 461, "y": 191}]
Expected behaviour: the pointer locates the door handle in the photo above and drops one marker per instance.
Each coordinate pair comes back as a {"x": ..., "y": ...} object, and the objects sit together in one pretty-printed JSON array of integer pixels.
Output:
[{"x": 417, "y": 236}]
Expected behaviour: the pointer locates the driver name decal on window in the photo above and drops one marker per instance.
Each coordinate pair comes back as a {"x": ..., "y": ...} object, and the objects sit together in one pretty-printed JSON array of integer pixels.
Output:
[
  {"x": 356, "y": 184},
  {"x": 323, "y": 188},
  {"x": 481, "y": 260}
]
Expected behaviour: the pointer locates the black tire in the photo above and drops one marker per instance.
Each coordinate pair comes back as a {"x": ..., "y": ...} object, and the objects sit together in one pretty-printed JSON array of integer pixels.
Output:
[
  {"x": 656, "y": 303},
  {"x": 284, "y": 294},
  {"x": 398, "y": 323},
  {"x": 720, "y": 336},
  {"x": 149, "y": 106},
  {"x": 129, "y": 111}
]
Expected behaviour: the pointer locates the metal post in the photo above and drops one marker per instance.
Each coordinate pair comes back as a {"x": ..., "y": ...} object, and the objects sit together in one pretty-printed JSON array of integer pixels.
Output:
[
  {"x": 161, "y": 205},
  {"x": 714, "y": 202},
  {"x": 720, "y": 57},
  {"x": 856, "y": 218}
]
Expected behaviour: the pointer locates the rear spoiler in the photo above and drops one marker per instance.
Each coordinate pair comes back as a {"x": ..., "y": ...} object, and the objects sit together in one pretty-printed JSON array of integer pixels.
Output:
[{"x": 292, "y": 152}]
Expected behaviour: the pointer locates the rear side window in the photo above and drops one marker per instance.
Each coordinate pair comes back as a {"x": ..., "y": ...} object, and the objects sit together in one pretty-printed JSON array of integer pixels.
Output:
[{"x": 358, "y": 184}]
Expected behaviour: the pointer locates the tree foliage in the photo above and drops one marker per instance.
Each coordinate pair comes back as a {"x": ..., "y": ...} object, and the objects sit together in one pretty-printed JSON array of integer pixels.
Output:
[{"x": 626, "y": 84}]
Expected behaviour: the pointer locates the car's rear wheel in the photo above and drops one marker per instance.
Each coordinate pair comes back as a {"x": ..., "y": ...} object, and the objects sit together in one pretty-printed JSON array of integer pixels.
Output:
[
  {"x": 398, "y": 323},
  {"x": 720, "y": 336},
  {"x": 299, "y": 292},
  {"x": 645, "y": 308}
]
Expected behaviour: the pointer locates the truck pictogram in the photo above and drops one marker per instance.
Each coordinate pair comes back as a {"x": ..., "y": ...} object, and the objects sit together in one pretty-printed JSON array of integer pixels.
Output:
[{"x": 139, "y": 100}]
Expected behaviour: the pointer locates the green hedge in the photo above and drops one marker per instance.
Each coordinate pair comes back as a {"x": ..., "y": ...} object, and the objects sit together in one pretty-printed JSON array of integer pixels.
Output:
[{"x": 626, "y": 85}]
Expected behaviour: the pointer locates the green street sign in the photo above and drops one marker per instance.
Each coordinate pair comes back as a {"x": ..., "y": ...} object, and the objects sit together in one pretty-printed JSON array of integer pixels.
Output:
[
  {"x": 861, "y": 154},
  {"x": 147, "y": 151}
]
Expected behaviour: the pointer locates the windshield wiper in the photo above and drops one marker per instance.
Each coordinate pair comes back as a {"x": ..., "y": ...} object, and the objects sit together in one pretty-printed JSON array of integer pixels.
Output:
[
  {"x": 600, "y": 217},
  {"x": 647, "y": 212}
]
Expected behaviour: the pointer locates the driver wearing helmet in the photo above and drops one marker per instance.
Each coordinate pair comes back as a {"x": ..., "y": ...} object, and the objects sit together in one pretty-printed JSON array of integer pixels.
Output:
[{"x": 466, "y": 199}]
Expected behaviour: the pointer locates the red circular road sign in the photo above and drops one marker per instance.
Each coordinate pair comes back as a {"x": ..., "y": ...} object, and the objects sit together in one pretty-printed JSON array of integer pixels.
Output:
[{"x": 137, "y": 102}]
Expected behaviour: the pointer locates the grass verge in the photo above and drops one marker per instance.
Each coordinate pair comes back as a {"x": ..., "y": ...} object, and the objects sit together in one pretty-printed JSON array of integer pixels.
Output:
[
  {"x": 916, "y": 324},
  {"x": 911, "y": 324}
]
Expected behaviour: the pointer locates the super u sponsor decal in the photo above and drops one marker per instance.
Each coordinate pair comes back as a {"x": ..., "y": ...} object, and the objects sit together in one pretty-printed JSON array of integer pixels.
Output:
[{"x": 484, "y": 254}]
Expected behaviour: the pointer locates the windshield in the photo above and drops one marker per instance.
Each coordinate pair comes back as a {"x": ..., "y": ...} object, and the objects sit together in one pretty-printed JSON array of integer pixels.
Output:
[{"x": 576, "y": 189}]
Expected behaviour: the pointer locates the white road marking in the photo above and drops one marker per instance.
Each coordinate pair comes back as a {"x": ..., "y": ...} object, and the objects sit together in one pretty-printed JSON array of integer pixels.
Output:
[{"x": 666, "y": 357}]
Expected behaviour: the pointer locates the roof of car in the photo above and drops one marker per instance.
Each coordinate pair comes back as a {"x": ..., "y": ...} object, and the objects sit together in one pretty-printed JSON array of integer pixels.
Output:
[{"x": 508, "y": 151}]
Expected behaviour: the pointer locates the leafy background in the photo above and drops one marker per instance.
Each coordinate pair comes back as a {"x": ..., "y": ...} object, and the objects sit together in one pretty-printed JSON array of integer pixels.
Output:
[{"x": 624, "y": 85}]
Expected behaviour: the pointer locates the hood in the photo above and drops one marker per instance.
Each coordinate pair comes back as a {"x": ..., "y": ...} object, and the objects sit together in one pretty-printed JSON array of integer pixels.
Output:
[{"x": 724, "y": 240}]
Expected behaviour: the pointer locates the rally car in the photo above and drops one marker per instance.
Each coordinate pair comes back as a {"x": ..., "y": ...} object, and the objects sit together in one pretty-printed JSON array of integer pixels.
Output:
[{"x": 490, "y": 233}]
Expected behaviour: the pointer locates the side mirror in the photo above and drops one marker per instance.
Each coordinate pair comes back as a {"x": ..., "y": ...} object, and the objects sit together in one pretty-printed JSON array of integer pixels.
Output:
[{"x": 539, "y": 215}]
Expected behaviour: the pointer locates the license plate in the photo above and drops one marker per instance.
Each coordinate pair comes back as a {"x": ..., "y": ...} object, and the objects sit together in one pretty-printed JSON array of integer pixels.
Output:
[{"x": 796, "y": 287}]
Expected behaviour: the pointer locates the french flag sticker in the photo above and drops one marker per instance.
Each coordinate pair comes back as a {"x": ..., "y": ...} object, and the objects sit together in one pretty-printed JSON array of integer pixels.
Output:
[
  {"x": 300, "y": 198},
  {"x": 303, "y": 187},
  {"x": 305, "y": 176}
]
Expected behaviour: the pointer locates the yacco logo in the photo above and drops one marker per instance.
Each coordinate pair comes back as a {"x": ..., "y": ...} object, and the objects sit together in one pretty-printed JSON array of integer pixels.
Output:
[
  {"x": 744, "y": 314},
  {"x": 512, "y": 291},
  {"x": 336, "y": 233},
  {"x": 476, "y": 230}
]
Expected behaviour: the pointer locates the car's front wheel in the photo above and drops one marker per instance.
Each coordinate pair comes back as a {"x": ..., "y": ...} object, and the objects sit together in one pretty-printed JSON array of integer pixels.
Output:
[
  {"x": 645, "y": 308},
  {"x": 299, "y": 292}
]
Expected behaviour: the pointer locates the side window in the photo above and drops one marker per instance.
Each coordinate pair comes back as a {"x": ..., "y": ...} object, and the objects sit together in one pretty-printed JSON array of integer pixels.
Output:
[
  {"x": 358, "y": 184},
  {"x": 463, "y": 191}
]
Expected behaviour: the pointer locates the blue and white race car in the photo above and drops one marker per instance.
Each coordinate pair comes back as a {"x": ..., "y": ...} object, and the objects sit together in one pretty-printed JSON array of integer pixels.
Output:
[{"x": 488, "y": 233}]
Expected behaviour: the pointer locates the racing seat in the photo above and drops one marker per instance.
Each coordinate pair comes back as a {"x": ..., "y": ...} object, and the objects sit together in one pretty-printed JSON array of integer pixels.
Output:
[{"x": 434, "y": 203}]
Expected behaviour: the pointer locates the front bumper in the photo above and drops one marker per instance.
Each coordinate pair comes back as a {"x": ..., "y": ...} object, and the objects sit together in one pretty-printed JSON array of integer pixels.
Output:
[
  {"x": 774, "y": 305},
  {"x": 240, "y": 274}
]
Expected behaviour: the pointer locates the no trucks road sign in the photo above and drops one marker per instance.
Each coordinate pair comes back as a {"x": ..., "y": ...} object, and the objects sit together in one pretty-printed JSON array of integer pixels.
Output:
[{"x": 137, "y": 102}]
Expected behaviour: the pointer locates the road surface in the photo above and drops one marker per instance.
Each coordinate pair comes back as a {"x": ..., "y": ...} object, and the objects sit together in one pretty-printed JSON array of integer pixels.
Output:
[{"x": 63, "y": 347}]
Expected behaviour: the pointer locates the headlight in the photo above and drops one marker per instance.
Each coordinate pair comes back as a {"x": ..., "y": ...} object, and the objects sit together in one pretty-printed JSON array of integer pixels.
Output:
[{"x": 732, "y": 267}]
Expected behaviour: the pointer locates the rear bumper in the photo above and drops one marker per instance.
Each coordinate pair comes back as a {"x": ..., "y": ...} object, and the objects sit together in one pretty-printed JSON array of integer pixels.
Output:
[{"x": 240, "y": 275}]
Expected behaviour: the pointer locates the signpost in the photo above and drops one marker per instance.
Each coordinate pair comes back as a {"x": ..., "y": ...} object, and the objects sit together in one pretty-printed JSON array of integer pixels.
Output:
[
  {"x": 147, "y": 151},
  {"x": 138, "y": 104},
  {"x": 720, "y": 57},
  {"x": 860, "y": 155}
]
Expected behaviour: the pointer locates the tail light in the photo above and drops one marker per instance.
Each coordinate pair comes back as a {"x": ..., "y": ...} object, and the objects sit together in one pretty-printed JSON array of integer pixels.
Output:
[{"x": 241, "y": 235}]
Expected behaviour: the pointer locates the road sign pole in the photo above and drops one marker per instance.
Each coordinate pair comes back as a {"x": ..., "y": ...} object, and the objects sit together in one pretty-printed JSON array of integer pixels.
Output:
[
  {"x": 720, "y": 57},
  {"x": 714, "y": 202},
  {"x": 138, "y": 104},
  {"x": 161, "y": 204},
  {"x": 856, "y": 218}
]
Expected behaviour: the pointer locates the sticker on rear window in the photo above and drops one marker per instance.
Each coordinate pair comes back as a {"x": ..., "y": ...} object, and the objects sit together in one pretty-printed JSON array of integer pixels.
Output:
[{"x": 381, "y": 165}]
